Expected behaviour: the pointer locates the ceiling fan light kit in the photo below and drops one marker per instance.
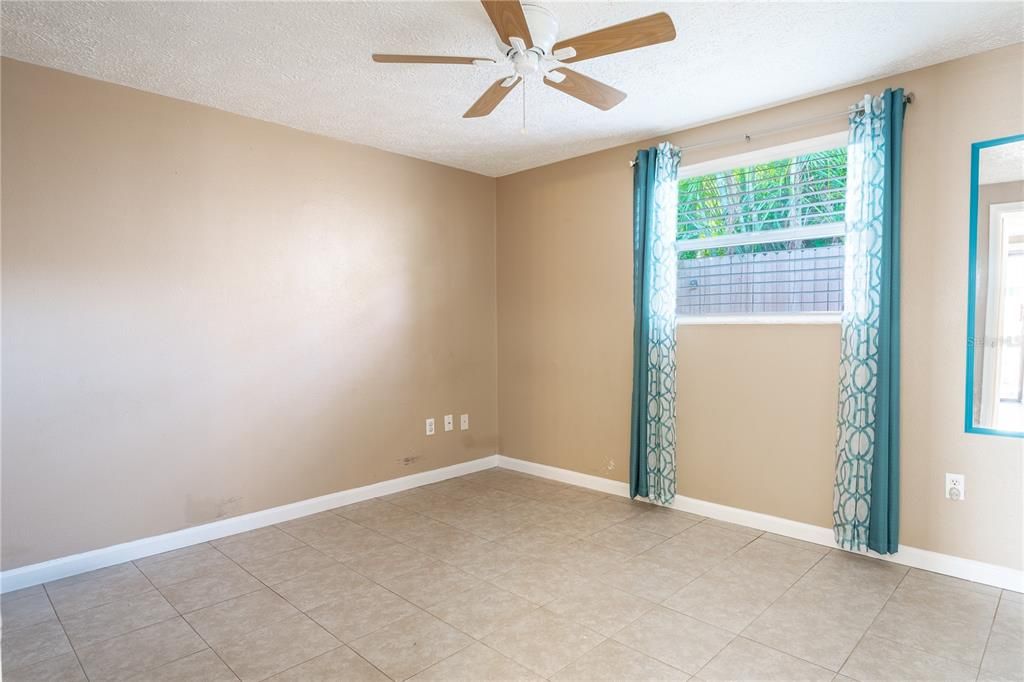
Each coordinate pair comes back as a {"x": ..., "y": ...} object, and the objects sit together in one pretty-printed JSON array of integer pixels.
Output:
[{"x": 528, "y": 38}]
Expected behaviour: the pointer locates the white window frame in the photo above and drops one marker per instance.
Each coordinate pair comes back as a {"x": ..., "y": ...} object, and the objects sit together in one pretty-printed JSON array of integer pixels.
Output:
[
  {"x": 992, "y": 356},
  {"x": 808, "y": 146}
]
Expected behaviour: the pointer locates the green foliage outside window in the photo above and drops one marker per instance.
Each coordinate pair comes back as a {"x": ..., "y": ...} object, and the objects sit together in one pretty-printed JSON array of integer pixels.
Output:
[{"x": 797, "y": 192}]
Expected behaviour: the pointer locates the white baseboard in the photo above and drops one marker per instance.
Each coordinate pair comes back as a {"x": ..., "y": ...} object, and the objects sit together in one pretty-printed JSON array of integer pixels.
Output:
[
  {"x": 26, "y": 576},
  {"x": 35, "y": 574},
  {"x": 603, "y": 485},
  {"x": 958, "y": 567}
]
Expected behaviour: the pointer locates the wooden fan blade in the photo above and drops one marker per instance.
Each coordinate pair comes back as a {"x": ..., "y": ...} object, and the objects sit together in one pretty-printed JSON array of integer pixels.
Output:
[
  {"x": 657, "y": 28},
  {"x": 509, "y": 20},
  {"x": 490, "y": 99},
  {"x": 426, "y": 59},
  {"x": 586, "y": 89}
]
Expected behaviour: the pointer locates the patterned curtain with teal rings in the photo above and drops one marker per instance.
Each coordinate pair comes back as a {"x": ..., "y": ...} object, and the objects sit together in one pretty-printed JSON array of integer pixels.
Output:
[
  {"x": 652, "y": 454},
  {"x": 867, "y": 489}
]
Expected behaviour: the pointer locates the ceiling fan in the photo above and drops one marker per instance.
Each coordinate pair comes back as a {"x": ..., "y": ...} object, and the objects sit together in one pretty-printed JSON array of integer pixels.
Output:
[{"x": 527, "y": 35}]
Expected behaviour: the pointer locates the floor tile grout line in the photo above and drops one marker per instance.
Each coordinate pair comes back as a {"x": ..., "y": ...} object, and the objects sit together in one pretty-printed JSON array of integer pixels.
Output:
[
  {"x": 125, "y": 633},
  {"x": 642, "y": 653},
  {"x": 576, "y": 540},
  {"x": 454, "y": 653},
  {"x": 230, "y": 559},
  {"x": 75, "y": 647},
  {"x": 653, "y": 603},
  {"x": 918, "y": 648},
  {"x": 205, "y": 575},
  {"x": 825, "y": 554},
  {"x": 88, "y": 580},
  {"x": 507, "y": 621},
  {"x": 782, "y": 651},
  {"x": 209, "y": 648},
  {"x": 269, "y": 586},
  {"x": 717, "y": 654},
  {"x": 417, "y": 606},
  {"x": 248, "y": 632},
  {"x": 185, "y": 620},
  {"x": 305, "y": 544},
  {"x": 603, "y": 638},
  {"x": 873, "y": 620},
  {"x": 499, "y": 540},
  {"x": 427, "y": 608},
  {"x": 740, "y": 633},
  {"x": 606, "y": 638},
  {"x": 828, "y": 552},
  {"x": 343, "y": 645},
  {"x": 268, "y": 555},
  {"x": 327, "y": 632},
  {"x": 65, "y": 631},
  {"x": 988, "y": 638},
  {"x": 706, "y": 570},
  {"x": 216, "y": 603},
  {"x": 427, "y": 611},
  {"x": 179, "y": 582},
  {"x": 383, "y": 587},
  {"x": 418, "y": 513},
  {"x": 406, "y": 600}
]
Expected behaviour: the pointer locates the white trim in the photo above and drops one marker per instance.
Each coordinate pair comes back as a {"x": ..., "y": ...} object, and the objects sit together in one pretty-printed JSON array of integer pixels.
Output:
[
  {"x": 760, "y": 318},
  {"x": 604, "y": 485},
  {"x": 958, "y": 567},
  {"x": 786, "y": 234},
  {"x": 34, "y": 574},
  {"x": 816, "y": 144},
  {"x": 783, "y": 151},
  {"x": 992, "y": 356},
  {"x": 26, "y": 576}
]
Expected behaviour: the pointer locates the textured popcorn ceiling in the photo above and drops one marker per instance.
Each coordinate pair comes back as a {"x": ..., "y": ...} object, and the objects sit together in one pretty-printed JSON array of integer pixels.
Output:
[{"x": 307, "y": 65}]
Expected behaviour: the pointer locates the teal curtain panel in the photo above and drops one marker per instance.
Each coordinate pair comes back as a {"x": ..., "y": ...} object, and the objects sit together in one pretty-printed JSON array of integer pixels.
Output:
[
  {"x": 866, "y": 507},
  {"x": 652, "y": 454}
]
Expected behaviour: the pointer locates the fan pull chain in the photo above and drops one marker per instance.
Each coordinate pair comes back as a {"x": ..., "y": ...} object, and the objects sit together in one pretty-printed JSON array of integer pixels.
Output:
[{"x": 522, "y": 131}]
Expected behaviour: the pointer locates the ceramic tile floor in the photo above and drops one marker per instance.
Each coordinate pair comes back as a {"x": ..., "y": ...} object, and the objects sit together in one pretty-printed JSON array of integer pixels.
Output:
[{"x": 502, "y": 576}]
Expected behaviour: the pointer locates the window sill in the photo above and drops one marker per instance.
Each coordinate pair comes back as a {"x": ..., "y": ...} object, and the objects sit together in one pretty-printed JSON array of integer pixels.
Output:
[{"x": 766, "y": 318}]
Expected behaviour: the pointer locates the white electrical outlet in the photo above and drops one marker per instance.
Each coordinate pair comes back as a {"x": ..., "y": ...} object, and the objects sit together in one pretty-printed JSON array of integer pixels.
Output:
[
  {"x": 955, "y": 487},
  {"x": 464, "y": 422},
  {"x": 449, "y": 422},
  {"x": 430, "y": 426}
]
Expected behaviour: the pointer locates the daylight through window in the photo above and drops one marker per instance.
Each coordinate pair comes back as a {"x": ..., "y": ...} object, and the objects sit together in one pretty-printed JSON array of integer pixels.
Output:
[{"x": 764, "y": 239}]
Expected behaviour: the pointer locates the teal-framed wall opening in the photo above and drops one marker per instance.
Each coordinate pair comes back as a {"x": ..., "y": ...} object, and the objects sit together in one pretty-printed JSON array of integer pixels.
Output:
[{"x": 972, "y": 291}]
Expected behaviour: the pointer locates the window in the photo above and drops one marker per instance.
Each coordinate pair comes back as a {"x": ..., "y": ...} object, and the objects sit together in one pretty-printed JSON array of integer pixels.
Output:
[{"x": 764, "y": 238}]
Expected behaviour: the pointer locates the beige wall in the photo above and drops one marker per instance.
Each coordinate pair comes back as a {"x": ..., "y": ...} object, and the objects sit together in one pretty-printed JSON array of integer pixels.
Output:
[
  {"x": 757, "y": 403},
  {"x": 205, "y": 315}
]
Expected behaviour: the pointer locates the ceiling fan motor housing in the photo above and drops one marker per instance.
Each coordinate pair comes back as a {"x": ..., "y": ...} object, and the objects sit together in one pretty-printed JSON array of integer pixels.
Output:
[{"x": 543, "y": 27}]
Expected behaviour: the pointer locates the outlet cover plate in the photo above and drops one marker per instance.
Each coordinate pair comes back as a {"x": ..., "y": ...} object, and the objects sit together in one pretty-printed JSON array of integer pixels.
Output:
[
  {"x": 449, "y": 422},
  {"x": 430, "y": 426},
  {"x": 955, "y": 487}
]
